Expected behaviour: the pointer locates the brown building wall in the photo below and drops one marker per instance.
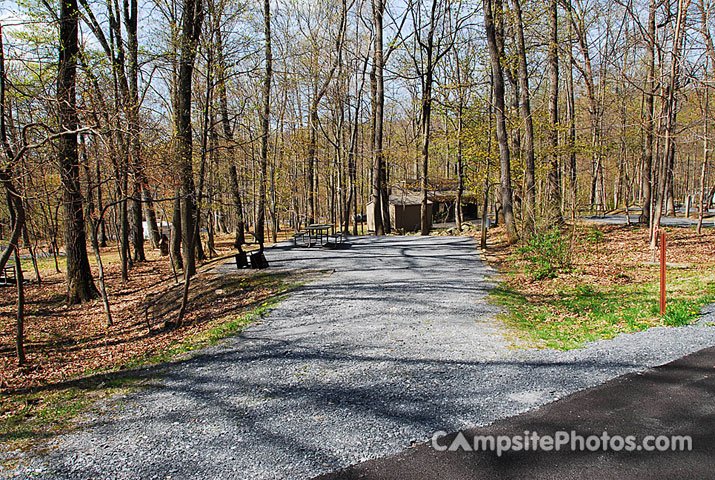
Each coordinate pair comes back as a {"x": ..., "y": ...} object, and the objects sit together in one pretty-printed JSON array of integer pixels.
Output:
[{"x": 408, "y": 217}]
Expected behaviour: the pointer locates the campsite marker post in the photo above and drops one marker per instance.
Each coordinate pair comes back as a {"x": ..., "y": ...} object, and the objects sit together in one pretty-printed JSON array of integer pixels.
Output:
[{"x": 662, "y": 273}]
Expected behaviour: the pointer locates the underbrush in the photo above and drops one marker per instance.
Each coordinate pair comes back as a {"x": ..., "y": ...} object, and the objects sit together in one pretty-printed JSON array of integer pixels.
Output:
[
  {"x": 561, "y": 291},
  {"x": 546, "y": 253}
]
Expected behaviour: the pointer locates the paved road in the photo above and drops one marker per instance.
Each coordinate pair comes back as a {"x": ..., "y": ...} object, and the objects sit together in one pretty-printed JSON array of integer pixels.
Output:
[
  {"x": 397, "y": 343},
  {"x": 677, "y": 399}
]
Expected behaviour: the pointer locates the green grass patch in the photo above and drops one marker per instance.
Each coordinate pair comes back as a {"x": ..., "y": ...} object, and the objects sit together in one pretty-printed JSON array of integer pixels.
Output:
[
  {"x": 226, "y": 326},
  {"x": 29, "y": 418},
  {"x": 43, "y": 264},
  {"x": 570, "y": 316}
]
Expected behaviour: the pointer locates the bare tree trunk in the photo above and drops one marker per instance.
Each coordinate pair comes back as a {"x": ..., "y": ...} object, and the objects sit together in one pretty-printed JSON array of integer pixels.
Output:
[
  {"x": 94, "y": 219},
  {"x": 460, "y": 162},
  {"x": 426, "y": 120},
  {"x": 670, "y": 116},
  {"x": 122, "y": 192},
  {"x": 228, "y": 137},
  {"x": 175, "y": 241},
  {"x": 646, "y": 179},
  {"x": 20, "y": 317},
  {"x": 135, "y": 160},
  {"x": 103, "y": 223},
  {"x": 554, "y": 184},
  {"x": 319, "y": 91},
  {"x": 15, "y": 205},
  {"x": 240, "y": 233},
  {"x": 586, "y": 69},
  {"x": 502, "y": 139},
  {"x": 701, "y": 198},
  {"x": 571, "y": 104},
  {"x": 80, "y": 284},
  {"x": 192, "y": 16},
  {"x": 202, "y": 176},
  {"x": 150, "y": 216},
  {"x": 378, "y": 104},
  {"x": 706, "y": 143},
  {"x": 352, "y": 159},
  {"x": 33, "y": 256},
  {"x": 525, "y": 109},
  {"x": 312, "y": 149},
  {"x": 16, "y": 209},
  {"x": 137, "y": 227},
  {"x": 265, "y": 125},
  {"x": 670, "y": 194}
]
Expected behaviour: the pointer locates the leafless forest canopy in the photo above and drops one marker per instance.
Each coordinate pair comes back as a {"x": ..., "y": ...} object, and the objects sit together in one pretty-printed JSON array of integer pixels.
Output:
[{"x": 124, "y": 119}]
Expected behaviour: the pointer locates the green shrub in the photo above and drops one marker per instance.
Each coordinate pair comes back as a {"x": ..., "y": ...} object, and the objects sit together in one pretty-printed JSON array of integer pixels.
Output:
[
  {"x": 547, "y": 253},
  {"x": 595, "y": 236}
]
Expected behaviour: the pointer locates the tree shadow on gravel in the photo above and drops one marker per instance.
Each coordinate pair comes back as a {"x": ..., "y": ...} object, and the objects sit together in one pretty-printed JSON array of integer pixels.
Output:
[
  {"x": 257, "y": 390},
  {"x": 300, "y": 394}
]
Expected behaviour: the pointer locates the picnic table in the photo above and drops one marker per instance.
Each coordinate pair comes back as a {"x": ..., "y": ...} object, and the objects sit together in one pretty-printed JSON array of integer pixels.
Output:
[
  {"x": 318, "y": 234},
  {"x": 8, "y": 276}
]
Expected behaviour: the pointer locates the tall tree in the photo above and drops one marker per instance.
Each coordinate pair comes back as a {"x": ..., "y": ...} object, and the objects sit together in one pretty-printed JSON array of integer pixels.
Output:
[
  {"x": 16, "y": 209},
  {"x": 649, "y": 123},
  {"x": 705, "y": 108},
  {"x": 191, "y": 19},
  {"x": 435, "y": 38},
  {"x": 670, "y": 115},
  {"x": 80, "y": 283},
  {"x": 379, "y": 186},
  {"x": 318, "y": 90},
  {"x": 140, "y": 189},
  {"x": 497, "y": 75},
  {"x": 554, "y": 184},
  {"x": 265, "y": 122},
  {"x": 121, "y": 46},
  {"x": 525, "y": 109},
  {"x": 595, "y": 112},
  {"x": 427, "y": 45},
  {"x": 571, "y": 110},
  {"x": 222, "y": 74}
]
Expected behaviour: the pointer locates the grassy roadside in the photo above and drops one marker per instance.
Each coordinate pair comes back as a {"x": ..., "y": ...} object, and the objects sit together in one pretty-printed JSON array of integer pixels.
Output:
[
  {"x": 229, "y": 325},
  {"x": 607, "y": 286},
  {"x": 27, "y": 418}
]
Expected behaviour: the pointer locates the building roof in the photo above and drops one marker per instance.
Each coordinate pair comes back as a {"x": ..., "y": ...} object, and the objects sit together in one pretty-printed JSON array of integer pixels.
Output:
[
  {"x": 439, "y": 189},
  {"x": 406, "y": 199}
]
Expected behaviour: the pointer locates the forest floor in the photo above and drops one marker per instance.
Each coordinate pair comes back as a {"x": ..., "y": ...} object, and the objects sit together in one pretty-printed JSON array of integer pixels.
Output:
[
  {"x": 66, "y": 343},
  {"x": 596, "y": 281}
]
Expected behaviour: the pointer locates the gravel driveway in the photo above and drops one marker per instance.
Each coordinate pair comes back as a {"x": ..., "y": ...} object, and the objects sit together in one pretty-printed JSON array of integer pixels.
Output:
[{"x": 396, "y": 343}]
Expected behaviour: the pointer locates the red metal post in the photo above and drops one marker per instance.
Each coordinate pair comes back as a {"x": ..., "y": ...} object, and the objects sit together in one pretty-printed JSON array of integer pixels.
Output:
[{"x": 662, "y": 273}]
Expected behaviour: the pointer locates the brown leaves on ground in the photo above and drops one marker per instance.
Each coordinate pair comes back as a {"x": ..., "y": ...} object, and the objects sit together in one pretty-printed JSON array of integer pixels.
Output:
[
  {"x": 62, "y": 342},
  {"x": 617, "y": 255}
]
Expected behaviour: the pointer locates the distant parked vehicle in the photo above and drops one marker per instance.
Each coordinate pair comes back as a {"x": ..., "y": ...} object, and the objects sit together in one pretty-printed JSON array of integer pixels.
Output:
[{"x": 164, "y": 229}]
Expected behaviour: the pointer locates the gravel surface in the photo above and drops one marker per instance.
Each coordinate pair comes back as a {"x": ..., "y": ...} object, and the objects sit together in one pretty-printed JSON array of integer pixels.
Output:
[{"x": 396, "y": 343}]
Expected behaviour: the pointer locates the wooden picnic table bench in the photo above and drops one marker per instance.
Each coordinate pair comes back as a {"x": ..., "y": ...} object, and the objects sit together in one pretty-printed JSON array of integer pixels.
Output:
[
  {"x": 8, "y": 276},
  {"x": 336, "y": 238},
  {"x": 299, "y": 235}
]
